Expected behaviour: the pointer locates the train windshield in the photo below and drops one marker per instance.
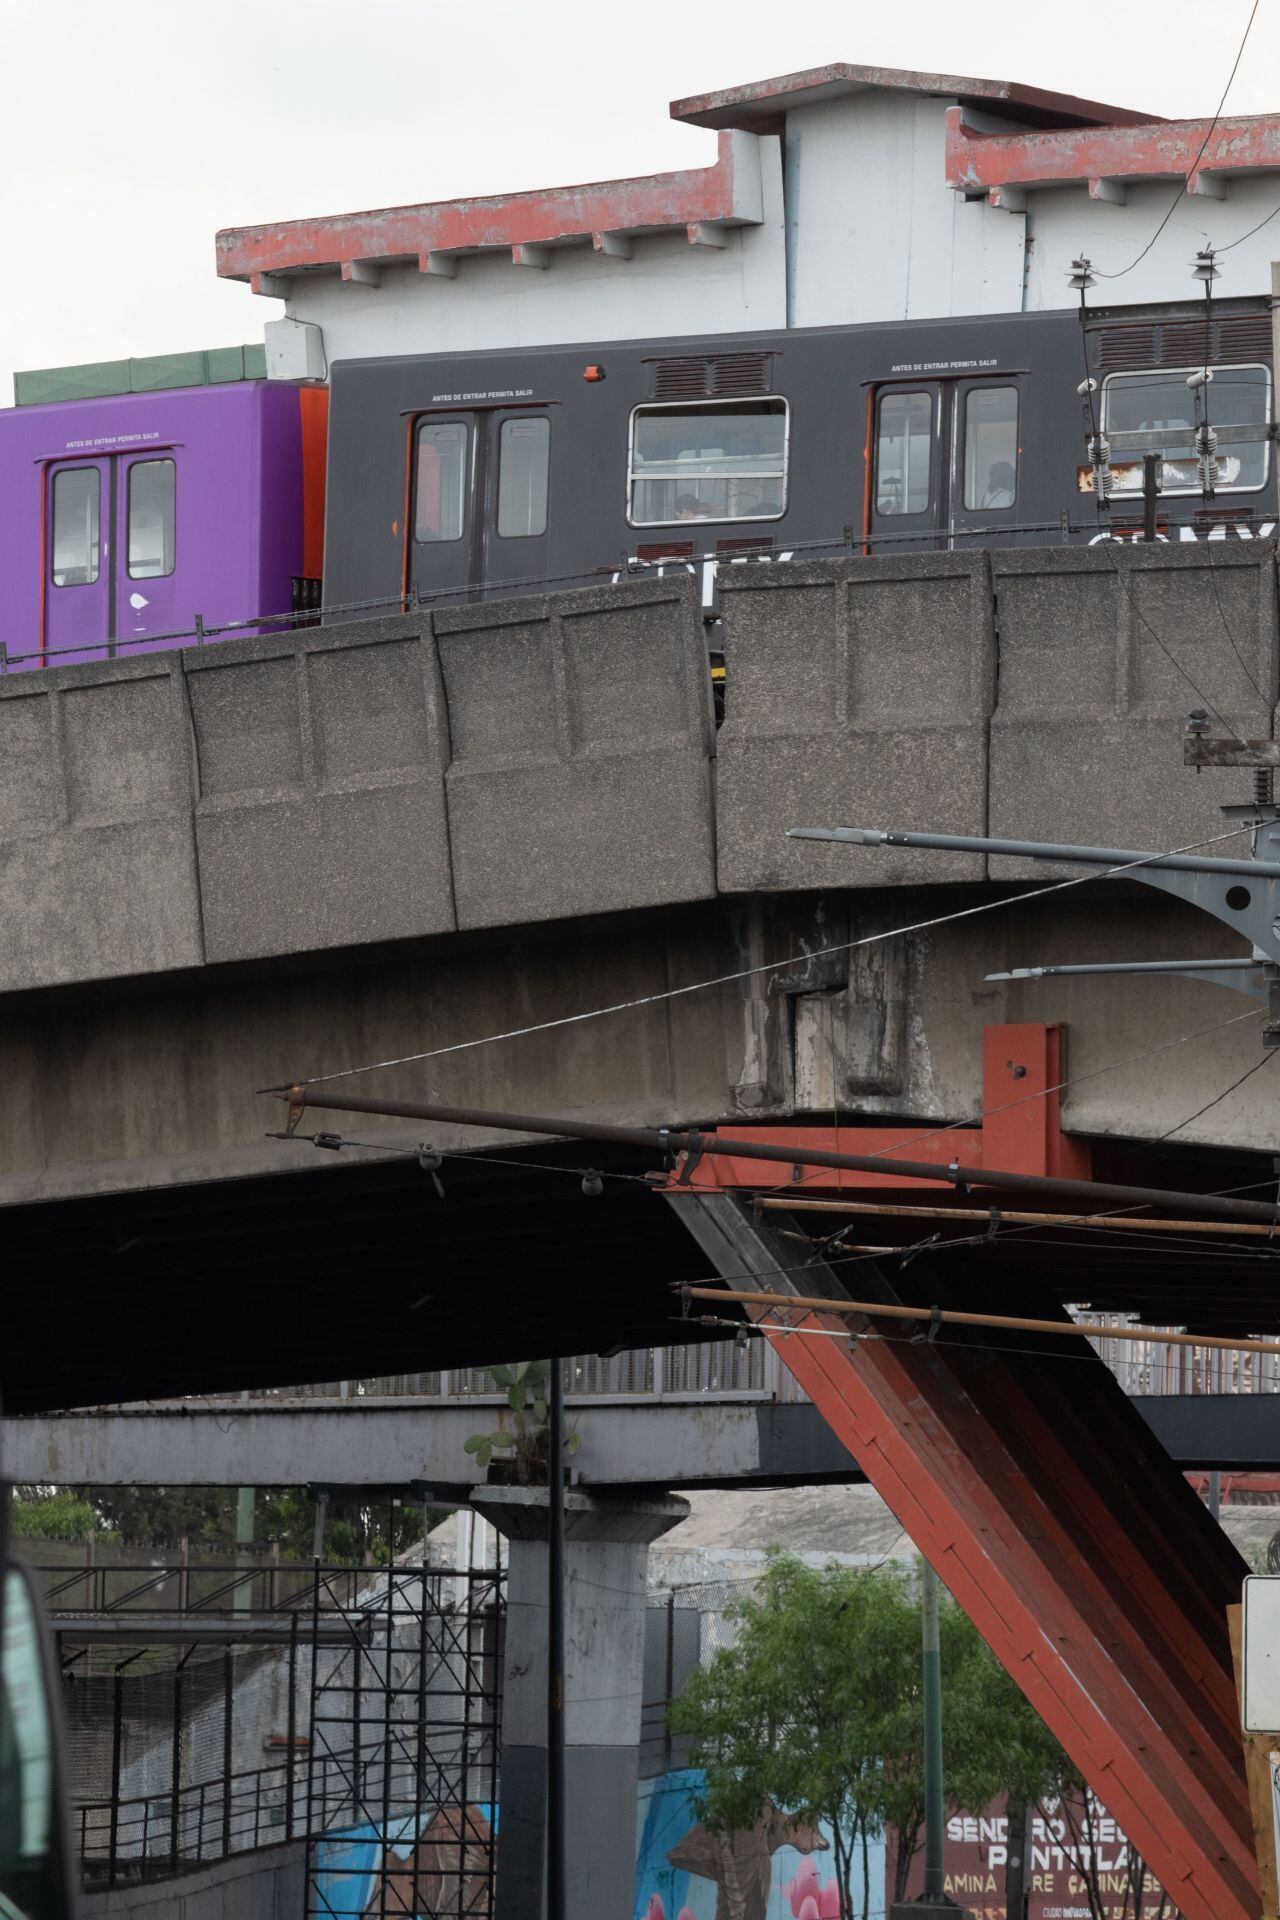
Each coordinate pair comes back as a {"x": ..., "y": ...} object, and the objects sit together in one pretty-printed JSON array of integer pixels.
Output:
[
  {"x": 1159, "y": 400},
  {"x": 715, "y": 460}
]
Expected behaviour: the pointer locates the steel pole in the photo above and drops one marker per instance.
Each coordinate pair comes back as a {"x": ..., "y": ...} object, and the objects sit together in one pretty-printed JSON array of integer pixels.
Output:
[
  {"x": 934, "y": 1874},
  {"x": 555, "y": 1646}
]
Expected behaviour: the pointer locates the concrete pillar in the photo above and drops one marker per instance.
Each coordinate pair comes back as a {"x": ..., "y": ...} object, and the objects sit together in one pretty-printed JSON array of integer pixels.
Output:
[{"x": 606, "y": 1555}]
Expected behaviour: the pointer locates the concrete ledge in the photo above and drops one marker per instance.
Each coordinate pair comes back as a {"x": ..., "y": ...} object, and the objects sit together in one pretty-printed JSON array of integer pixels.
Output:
[{"x": 267, "y": 1884}]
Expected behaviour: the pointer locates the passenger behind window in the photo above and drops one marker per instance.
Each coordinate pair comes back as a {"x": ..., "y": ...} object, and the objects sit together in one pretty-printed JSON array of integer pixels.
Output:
[
  {"x": 689, "y": 507},
  {"x": 1001, "y": 482}
]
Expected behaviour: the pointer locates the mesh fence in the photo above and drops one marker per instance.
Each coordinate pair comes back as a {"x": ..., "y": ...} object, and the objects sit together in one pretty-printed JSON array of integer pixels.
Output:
[{"x": 684, "y": 1630}]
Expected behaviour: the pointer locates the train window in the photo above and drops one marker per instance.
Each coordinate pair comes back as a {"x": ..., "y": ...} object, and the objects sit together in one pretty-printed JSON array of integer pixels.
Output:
[
  {"x": 903, "y": 447},
  {"x": 990, "y": 448},
  {"x": 75, "y": 527},
  {"x": 441, "y": 492},
  {"x": 1160, "y": 400},
  {"x": 714, "y": 460},
  {"x": 152, "y": 485},
  {"x": 524, "y": 448}
]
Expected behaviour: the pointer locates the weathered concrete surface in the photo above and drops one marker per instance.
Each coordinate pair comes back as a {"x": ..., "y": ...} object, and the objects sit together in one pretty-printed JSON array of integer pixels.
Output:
[
  {"x": 605, "y": 1594},
  {"x": 701, "y": 1442},
  {"x": 1103, "y": 653},
  {"x": 96, "y": 866},
  {"x": 269, "y": 1884},
  {"x": 340, "y": 787},
  {"x": 157, "y": 1086},
  {"x": 373, "y": 1443},
  {"x": 320, "y": 810},
  {"x": 581, "y": 733},
  {"x": 856, "y": 688}
]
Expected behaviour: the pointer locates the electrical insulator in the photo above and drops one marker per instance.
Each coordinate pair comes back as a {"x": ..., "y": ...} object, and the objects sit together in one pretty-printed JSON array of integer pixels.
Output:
[
  {"x": 1100, "y": 461},
  {"x": 1207, "y": 458},
  {"x": 1081, "y": 276}
]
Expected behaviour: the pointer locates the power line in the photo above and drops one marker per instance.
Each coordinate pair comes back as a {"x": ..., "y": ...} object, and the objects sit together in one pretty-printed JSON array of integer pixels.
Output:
[
  {"x": 1186, "y": 183},
  {"x": 747, "y": 973}
]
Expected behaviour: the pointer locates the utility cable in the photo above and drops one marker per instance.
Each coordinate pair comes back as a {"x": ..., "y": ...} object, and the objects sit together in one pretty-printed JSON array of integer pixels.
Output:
[
  {"x": 1187, "y": 178},
  {"x": 748, "y": 973}
]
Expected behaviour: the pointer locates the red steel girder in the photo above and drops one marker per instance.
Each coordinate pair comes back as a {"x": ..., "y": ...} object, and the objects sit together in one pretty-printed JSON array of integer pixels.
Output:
[{"x": 1068, "y": 1537}]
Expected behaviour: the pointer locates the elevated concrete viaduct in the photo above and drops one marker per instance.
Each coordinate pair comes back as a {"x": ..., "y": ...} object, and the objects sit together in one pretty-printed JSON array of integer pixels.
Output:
[{"x": 385, "y": 842}]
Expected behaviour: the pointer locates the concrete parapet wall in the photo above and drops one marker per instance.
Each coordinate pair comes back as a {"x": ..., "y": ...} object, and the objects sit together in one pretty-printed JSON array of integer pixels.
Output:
[
  {"x": 859, "y": 693},
  {"x": 580, "y": 777},
  {"x": 1103, "y": 652},
  {"x": 383, "y": 780}
]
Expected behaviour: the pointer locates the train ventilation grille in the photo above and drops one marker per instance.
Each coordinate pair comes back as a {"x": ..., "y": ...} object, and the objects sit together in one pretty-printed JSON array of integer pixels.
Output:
[
  {"x": 712, "y": 376},
  {"x": 1181, "y": 343}
]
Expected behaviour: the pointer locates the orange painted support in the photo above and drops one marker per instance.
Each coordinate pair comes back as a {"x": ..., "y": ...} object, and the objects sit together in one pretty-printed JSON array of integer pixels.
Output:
[
  {"x": 1021, "y": 1130},
  {"x": 1027, "y": 1480}
]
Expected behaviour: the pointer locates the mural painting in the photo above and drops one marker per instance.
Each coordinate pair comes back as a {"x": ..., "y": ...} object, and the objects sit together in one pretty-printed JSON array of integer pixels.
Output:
[
  {"x": 356, "y": 1874},
  {"x": 781, "y": 1869}
]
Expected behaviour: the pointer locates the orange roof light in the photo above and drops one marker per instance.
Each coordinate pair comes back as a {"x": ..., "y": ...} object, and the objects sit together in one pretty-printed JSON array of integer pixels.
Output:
[{"x": 593, "y": 373}]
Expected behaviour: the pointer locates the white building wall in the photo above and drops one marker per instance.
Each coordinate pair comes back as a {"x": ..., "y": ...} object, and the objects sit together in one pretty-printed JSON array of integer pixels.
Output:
[
  {"x": 1065, "y": 222},
  {"x": 878, "y": 233},
  {"x": 666, "y": 287}
]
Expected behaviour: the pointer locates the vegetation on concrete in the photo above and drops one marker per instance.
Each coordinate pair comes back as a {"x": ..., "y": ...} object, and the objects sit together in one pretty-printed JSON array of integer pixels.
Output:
[{"x": 525, "y": 1443}]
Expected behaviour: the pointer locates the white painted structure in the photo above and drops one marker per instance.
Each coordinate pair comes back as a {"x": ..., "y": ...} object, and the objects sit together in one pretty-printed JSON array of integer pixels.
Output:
[{"x": 846, "y": 194}]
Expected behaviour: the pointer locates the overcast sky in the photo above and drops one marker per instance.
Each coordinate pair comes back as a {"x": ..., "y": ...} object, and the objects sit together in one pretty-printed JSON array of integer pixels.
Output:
[{"x": 131, "y": 132}]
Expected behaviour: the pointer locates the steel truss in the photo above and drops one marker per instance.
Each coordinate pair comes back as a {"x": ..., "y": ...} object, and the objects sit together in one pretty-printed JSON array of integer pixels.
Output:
[{"x": 402, "y": 1782}]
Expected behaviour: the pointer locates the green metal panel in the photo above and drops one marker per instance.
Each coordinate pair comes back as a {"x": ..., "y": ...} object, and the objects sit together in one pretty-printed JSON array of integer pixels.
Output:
[{"x": 100, "y": 379}]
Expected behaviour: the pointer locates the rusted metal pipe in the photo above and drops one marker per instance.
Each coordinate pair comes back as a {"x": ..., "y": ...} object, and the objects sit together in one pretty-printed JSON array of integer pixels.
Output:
[
  {"x": 954, "y": 1316},
  {"x": 682, "y": 1139},
  {"x": 1011, "y": 1216}
]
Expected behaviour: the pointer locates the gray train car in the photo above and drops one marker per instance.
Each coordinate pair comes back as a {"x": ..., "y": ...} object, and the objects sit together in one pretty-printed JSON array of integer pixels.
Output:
[{"x": 455, "y": 476}]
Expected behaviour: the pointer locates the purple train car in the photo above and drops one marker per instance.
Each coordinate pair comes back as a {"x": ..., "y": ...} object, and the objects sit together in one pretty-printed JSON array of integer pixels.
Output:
[{"x": 127, "y": 523}]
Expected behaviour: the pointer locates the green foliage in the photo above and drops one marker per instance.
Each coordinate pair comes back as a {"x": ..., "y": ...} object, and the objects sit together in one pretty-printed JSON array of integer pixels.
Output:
[
  {"x": 818, "y": 1707},
  {"x": 51, "y": 1513},
  {"x": 525, "y": 1383},
  {"x": 161, "y": 1517}
]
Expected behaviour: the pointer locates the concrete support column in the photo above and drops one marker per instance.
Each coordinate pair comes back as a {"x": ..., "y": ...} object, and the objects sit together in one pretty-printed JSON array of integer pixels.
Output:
[{"x": 606, "y": 1554}]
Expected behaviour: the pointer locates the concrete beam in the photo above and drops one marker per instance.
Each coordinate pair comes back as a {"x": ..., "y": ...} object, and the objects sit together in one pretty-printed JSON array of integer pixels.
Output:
[
  {"x": 441, "y": 266},
  {"x": 361, "y": 273},
  {"x": 695, "y": 1442},
  {"x": 526, "y": 254},
  {"x": 666, "y": 1443},
  {"x": 1113, "y": 192},
  {"x": 612, "y": 246}
]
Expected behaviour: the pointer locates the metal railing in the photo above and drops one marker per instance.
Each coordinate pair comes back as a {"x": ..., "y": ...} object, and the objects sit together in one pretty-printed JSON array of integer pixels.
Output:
[
  {"x": 724, "y": 1371},
  {"x": 269, "y": 1587},
  {"x": 160, "y": 1834}
]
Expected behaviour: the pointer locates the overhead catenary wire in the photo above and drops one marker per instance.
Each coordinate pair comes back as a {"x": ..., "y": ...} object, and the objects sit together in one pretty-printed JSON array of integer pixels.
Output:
[
  {"x": 790, "y": 960},
  {"x": 1184, "y": 188},
  {"x": 693, "y": 1140}
]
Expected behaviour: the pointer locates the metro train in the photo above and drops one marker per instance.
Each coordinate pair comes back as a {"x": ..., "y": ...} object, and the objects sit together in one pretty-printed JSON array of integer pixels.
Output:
[{"x": 137, "y": 521}]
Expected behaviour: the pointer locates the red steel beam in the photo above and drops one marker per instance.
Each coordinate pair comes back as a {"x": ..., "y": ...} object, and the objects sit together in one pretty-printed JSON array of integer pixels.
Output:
[
  {"x": 1078, "y": 156},
  {"x": 1072, "y": 1543}
]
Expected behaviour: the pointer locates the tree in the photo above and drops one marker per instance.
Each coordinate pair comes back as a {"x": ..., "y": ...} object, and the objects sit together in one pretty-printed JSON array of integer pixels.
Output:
[
  {"x": 50, "y": 1513},
  {"x": 817, "y": 1708},
  {"x": 161, "y": 1517}
]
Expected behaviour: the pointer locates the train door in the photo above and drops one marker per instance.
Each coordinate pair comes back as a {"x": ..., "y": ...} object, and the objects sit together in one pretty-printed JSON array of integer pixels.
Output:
[
  {"x": 479, "y": 514},
  {"x": 110, "y": 559},
  {"x": 945, "y": 462}
]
